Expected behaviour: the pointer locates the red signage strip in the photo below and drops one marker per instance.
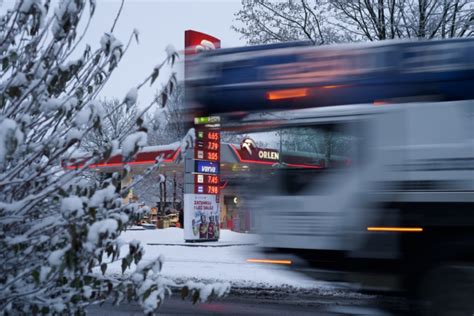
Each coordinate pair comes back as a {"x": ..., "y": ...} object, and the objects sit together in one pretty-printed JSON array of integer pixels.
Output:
[
  {"x": 194, "y": 41},
  {"x": 145, "y": 158}
]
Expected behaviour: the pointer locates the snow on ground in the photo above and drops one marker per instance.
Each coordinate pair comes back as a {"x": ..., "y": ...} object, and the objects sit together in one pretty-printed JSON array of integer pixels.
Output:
[
  {"x": 224, "y": 260},
  {"x": 176, "y": 236}
]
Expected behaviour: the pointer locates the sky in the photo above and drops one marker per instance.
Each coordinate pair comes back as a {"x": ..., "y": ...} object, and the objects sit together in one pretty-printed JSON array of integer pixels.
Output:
[{"x": 160, "y": 23}]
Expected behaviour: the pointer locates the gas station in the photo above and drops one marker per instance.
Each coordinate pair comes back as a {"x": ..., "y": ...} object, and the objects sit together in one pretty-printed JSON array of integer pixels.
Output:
[
  {"x": 212, "y": 173},
  {"x": 239, "y": 163}
]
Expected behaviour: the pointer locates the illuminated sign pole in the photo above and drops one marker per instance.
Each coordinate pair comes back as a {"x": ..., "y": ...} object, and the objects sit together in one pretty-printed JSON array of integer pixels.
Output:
[
  {"x": 202, "y": 164},
  {"x": 201, "y": 197},
  {"x": 207, "y": 161}
]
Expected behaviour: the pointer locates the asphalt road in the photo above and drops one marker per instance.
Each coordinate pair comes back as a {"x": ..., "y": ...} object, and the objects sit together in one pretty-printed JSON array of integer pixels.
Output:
[{"x": 275, "y": 303}]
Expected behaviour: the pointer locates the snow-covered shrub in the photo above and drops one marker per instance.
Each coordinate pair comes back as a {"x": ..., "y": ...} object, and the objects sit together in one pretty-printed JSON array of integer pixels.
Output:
[{"x": 58, "y": 231}]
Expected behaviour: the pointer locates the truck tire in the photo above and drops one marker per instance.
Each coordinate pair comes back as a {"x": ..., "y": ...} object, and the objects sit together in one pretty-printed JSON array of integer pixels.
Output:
[{"x": 448, "y": 290}]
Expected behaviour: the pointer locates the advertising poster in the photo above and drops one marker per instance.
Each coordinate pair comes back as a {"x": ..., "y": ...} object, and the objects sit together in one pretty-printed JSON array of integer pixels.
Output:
[{"x": 201, "y": 217}]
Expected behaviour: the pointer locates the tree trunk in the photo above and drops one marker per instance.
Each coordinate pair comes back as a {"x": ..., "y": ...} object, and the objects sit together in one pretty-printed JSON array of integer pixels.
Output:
[
  {"x": 422, "y": 18},
  {"x": 381, "y": 20},
  {"x": 453, "y": 22}
]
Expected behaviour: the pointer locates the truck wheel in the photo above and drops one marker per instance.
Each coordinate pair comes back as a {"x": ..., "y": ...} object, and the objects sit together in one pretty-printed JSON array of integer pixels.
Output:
[{"x": 448, "y": 290}]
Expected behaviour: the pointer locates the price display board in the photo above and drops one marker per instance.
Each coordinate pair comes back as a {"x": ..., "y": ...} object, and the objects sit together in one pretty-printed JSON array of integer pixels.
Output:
[
  {"x": 202, "y": 216},
  {"x": 207, "y": 162},
  {"x": 206, "y": 179},
  {"x": 208, "y": 135},
  {"x": 201, "y": 165},
  {"x": 210, "y": 155},
  {"x": 206, "y": 189}
]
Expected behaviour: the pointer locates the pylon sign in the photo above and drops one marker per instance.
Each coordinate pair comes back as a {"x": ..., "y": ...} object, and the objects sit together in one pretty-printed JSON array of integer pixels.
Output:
[
  {"x": 207, "y": 162},
  {"x": 201, "y": 198},
  {"x": 202, "y": 164}
]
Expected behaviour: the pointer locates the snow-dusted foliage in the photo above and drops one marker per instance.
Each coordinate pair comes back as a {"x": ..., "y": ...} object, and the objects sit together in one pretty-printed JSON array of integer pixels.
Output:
[
  {"x": 203, "y": 292},
  {"x": 58, "y": 232}
]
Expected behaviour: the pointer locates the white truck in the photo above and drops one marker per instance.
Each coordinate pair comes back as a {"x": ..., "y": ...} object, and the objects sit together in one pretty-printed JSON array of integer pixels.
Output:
[{"x": 400, "y": 217}]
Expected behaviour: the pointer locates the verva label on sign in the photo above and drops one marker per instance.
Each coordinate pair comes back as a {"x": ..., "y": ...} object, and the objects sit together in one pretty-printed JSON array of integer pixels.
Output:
[
  {"x": 201, "y": 217},
  {"x": 208, "y": 167}
]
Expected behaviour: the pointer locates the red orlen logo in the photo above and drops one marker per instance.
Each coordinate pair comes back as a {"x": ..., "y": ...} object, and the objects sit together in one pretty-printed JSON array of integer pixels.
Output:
[
  {"x": 248, "y": 144},
  {"x": 195, "y": 42},
  {"x": 250, "y": 150},
  {"x": 205, "y": 45}
]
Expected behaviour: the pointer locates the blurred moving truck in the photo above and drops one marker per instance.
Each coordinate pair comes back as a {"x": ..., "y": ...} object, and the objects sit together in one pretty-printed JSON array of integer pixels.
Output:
[
  {"x": 399, "y": 217},
  {"x": 399, "y": 213}
]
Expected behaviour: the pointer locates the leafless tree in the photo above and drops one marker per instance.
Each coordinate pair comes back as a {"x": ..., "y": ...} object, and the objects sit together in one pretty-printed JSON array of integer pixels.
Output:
[
  {"x": 160, "y": 186},
  {"x": 117, "y": 121},
  {"x": 167, "y": 124},
  {"x": 329, "y": 21},
  {"x": 388, "y": 19},
  {"x": 266, "y": 21}
]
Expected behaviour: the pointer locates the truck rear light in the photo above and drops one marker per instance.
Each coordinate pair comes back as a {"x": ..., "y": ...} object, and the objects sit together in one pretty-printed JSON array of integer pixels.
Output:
[
  {"x": 395, "y": 229},
  {"x": 287, "y": 94},
  {"x": 271, "y": 261}
]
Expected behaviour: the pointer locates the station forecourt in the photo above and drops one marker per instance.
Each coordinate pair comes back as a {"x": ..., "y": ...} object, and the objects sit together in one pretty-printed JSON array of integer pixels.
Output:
[{"x": 241, "y": 166}]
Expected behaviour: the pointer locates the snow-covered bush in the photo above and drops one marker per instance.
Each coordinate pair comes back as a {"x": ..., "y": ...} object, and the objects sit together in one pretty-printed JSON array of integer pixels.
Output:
[{"x": 58, "y": 232}]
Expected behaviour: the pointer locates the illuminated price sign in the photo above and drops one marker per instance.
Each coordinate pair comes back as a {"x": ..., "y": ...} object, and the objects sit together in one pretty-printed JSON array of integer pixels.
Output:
[
  {"x": 208, "y": 145},
  {"x": 212, "y": 189},
  {"x": 206, "y": 155},
  {"x": 208, "y": 135},
  {"x": 206, "y": 189},
  {"x": 213, "y": 145},
  {"x": 212, "y": 156},
  {"x": 206, "y": 179},
  {"x": 215, "y": 136}
]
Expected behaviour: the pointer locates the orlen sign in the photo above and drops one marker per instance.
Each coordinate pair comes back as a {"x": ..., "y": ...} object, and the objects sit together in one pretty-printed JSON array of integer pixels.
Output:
[
  {"x": 195, "y": 42},
  {"x": 250, "y": 151}
]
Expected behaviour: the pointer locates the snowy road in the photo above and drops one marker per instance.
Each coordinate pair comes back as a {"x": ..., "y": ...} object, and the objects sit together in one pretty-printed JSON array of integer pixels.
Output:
[
  {"x": 276, "y": 303},
  {"x": 257, "y": 289}
]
